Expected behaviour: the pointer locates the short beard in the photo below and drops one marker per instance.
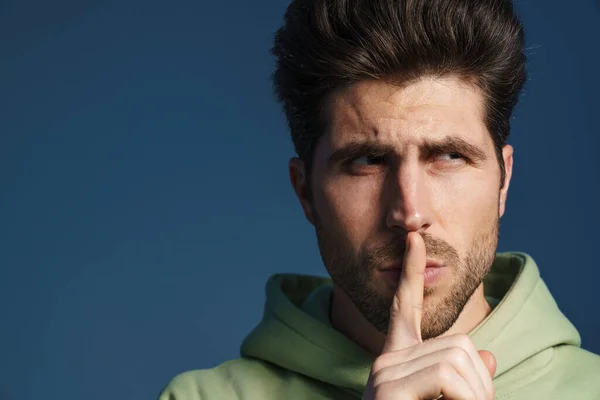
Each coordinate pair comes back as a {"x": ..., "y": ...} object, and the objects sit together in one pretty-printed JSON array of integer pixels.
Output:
[{"x": 354, "y": 275}]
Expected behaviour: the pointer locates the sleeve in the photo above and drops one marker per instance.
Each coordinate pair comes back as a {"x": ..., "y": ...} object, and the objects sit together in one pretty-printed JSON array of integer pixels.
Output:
[{"x": 197, "y": 385}]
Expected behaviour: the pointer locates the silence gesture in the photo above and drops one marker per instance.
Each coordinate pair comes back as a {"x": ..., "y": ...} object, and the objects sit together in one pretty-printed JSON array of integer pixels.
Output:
[{"x": 410, "y": 369}]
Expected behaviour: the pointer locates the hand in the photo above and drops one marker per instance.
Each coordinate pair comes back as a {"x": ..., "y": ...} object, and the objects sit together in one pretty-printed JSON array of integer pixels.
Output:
[{"x": 410, "y": 369}]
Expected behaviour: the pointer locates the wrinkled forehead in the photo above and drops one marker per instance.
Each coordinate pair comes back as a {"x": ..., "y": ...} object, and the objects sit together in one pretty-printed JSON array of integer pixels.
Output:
[{"x": 425, "y": 109}]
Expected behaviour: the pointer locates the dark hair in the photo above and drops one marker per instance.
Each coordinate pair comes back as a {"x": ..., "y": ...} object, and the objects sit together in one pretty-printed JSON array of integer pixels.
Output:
[{"x": 324, "y": 45}]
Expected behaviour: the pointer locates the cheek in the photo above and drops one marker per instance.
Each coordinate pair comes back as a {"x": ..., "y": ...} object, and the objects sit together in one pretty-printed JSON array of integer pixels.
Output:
[
  {"x": 350, "y": 206},
  {"x": 466, "y": 208}
]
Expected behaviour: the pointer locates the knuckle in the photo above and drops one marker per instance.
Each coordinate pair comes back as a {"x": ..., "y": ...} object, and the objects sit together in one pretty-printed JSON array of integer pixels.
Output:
[
  {"x": 418, "y": 306},
  {"x": 463, "y": 341},
  {"x": 459, "y": 356},
  {"x": 394, "y": 390},
  {"x": 381, "y": 362},
  {"x": 379, "y": 378},
  {"x": 383, "y": 391},
  {"x": 444, "y": 371},
  {"x": 396, "y": 303}
]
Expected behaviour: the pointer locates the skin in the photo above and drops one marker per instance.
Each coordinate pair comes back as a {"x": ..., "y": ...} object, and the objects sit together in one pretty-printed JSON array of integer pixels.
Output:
[{"x": 429, "y": 181}]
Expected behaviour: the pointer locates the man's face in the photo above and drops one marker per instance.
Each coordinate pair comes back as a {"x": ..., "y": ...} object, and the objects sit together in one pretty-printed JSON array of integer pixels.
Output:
[{"x": 400, "y": 159}]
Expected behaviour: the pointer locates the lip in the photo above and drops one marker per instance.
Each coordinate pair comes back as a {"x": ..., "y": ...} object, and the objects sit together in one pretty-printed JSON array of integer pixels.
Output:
[
  {"x": 434, "y": 269},
  {"x": 430, "y": 263}
]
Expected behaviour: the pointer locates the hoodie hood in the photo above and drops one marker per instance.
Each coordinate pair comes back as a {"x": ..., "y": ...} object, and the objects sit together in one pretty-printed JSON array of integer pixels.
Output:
[{"x": 295, "y": 334}]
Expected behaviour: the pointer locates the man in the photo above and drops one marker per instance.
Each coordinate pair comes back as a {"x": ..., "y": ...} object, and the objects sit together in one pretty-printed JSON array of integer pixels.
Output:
[{"x": 399, "y": 111}]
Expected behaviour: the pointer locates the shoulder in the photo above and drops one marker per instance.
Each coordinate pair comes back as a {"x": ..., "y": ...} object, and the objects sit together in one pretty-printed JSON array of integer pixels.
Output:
[
  {"x": 226, "y": 381},
  {"x": 574, "y": 372},
  {"x": 561, "y": 372},
  {"x": 576, "y": 362}
]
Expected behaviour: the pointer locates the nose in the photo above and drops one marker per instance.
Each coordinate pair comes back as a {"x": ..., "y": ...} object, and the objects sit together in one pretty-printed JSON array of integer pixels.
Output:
[{"x": 408, "y": 199}]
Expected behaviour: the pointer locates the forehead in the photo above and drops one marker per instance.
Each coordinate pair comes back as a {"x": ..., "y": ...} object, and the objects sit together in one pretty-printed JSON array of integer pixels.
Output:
[{"x": 429, "y": 108}]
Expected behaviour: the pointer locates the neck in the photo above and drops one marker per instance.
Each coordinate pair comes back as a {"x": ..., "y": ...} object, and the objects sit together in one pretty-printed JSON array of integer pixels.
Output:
[{"x": 346, "y": 318}]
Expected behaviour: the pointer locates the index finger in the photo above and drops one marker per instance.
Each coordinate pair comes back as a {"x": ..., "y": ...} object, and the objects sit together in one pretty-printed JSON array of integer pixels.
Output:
[{"x": 407, "y": 306}]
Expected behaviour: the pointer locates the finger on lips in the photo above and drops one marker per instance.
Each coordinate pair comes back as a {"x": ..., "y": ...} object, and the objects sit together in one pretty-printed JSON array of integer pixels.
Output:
[
  {"x": 406, "y": 310},
  {"x": 448, "y": 365}
]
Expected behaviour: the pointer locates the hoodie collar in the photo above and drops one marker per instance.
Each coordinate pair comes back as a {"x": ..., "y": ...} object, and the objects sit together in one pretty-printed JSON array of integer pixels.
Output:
[
  {"x": 294, "y": 336},
  {"x": 527, "y": 319}
]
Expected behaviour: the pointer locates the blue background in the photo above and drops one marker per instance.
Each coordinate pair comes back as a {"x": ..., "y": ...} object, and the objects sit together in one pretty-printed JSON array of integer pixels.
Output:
[{"x": 144, "y": 197}]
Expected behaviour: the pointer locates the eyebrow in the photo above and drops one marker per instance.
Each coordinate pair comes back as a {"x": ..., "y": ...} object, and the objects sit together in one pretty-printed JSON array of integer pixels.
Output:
[
  {"x": 429, "y": 147},
  {"x": 354, "y": 149},
  {"x": 453, "y": 144}
]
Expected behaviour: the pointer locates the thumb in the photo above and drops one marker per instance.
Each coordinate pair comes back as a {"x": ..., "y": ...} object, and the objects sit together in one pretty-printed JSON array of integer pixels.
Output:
[{"x": 489, "y": 360}]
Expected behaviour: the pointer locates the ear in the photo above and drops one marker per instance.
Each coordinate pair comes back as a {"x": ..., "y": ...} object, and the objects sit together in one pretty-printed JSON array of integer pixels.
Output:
[
  {"x": 299, "y": 182},
  {"x": 507, "y": 155}
]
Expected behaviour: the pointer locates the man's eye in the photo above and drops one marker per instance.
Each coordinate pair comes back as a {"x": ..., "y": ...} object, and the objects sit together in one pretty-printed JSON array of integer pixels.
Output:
[
  {"x": 449, "y": 156},
  {"x": 368, "y": 160}
]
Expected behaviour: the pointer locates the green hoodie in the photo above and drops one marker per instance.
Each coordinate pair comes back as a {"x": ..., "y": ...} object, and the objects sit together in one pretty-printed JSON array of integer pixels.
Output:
[{"x": 295, "y": 353}]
